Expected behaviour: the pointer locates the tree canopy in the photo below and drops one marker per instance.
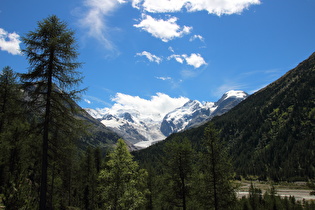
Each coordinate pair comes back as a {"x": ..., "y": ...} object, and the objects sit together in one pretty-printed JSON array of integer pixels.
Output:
[{"x": 51, "y": 52}]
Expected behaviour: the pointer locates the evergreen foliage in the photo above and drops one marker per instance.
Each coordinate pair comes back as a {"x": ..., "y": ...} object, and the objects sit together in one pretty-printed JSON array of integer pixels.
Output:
[
  {"x": 256, "y": 200},
  {"x": 122, "y": 183},
  {"x": 51, "y": 52},
  {"x": 215, "y": 188},
  {"x": 71, "y": 169},
  {"x": 178, "y": 173},
  {"x": 47, "y": 157},
  {"x": 16, "y": 184},
  {"x": 269, "y": 135}
]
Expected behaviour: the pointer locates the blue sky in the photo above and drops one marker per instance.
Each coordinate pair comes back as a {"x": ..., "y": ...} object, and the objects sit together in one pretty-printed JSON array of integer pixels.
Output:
[{"x": 195, "y": 49}]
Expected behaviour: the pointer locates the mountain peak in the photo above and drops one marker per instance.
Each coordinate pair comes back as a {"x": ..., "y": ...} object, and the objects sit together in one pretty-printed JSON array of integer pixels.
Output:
[
  {"x": 235, "y": 94},
  {"x": 144, "y": 129},
  {"x": 194, "y": 113}
]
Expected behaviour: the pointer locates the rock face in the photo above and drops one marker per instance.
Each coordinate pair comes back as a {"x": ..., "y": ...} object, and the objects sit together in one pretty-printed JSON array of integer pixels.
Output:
[{"x": 144, "y": 131}]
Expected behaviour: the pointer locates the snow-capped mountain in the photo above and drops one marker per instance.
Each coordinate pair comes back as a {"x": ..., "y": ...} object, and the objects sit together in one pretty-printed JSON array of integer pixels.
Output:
[
  {"x": 194, "y": 113},
  {"x": 130, "y": 124},
  {"x": 142, "y": 128}
]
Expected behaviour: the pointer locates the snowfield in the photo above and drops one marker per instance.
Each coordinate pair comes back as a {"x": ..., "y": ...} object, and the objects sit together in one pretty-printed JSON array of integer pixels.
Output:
[{"x": 144, "y": 122}]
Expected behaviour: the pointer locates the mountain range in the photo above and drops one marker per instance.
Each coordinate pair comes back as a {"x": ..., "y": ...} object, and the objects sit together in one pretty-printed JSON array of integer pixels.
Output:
[
  {"x": 270, "y": 135},
  {"x": 143, "y": 131}
]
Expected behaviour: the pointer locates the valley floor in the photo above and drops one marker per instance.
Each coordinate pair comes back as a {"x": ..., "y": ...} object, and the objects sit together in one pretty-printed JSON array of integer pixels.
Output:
[{"x": 299, "y": 189}]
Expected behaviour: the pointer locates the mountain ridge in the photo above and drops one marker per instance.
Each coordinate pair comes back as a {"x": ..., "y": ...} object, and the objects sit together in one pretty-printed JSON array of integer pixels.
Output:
[
  {"x": 270, "y": 135},
  {"x": 144, "y": 131}
]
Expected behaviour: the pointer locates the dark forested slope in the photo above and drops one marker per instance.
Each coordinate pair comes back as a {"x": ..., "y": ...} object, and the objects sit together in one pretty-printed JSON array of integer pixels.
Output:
[
  {"x": 98, "y": 135},
  {"x": 271, "y": 134}
]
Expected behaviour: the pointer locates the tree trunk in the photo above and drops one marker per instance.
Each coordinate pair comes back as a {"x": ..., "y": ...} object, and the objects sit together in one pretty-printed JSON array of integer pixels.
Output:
[{"x": 43, "y": 183}]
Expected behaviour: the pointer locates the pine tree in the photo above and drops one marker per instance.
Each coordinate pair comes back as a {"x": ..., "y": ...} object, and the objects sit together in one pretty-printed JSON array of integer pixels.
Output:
[
  {"x": 90, "y": 167},
  {"x": 178, "y": 172},
  {"x": 9, "y": 96},
  {"x": 51, "y": 52},
  {"x": 14, "y": 144},
  {"x": 122, "y": 183},
  {"x": 215, "y": 175}
]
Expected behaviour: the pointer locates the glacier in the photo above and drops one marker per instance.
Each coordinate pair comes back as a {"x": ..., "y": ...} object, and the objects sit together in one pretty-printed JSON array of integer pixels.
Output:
[{"x": 143, "y": 125}]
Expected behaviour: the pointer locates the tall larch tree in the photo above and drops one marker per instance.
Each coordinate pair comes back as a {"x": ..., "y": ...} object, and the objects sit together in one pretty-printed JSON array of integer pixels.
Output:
[{"x": 51, "y": 82}]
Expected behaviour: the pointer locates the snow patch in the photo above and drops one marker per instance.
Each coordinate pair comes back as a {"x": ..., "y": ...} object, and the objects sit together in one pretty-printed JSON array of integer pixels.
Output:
[{"x": 235, "y": 94}]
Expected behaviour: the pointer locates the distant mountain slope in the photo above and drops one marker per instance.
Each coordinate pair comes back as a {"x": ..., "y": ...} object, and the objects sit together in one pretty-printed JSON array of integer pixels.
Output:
[
  {"x": 142, "y": 131},
  {"x": 271, "y": 134},
  {"x": 97, "y": 135}
]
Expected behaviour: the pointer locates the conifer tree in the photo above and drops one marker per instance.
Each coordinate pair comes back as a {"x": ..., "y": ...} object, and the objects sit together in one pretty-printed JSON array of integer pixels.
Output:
[
  {"x": 122, "y": 183},
  {"x": 52, "y": 77},
  {"x": 178, "y": 172},
  {"x": 14, "y": 160},
  {"x": 9, "y": 96},
  {"x": 90, "y": 173},
  {"x": 215, "y": 174}
]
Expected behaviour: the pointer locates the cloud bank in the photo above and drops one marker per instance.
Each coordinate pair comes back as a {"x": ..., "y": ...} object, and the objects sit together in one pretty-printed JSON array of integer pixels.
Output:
[
  {"x": 155, "y": 108},
  {"x": 96, "y": 12},
  {"x": 217, "y": 7},
  {"x": 165, "y": 30},
  {"x": 10, "y": 42}
]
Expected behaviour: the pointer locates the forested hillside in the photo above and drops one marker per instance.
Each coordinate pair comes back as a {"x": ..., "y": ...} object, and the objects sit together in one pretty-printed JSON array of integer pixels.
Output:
[
  {"x": 50, "y": 148},
  {"x": 272, "y": 133},
  {"x": 269, "y": 135},
  {"x": 53, "y": 155}
]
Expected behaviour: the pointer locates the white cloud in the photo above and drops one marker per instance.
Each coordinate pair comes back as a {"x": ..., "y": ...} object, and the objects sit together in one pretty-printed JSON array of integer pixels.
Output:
[
  {"x": 178, "y": 58},
  {"x": 136, "y": 3},
  {"x": 164, "y": 78},
  {"x": 171, "y": 49},
  {"x": 195, "y": 60},
  {"x": 150, "y": 56},
  {"x": 165, "y": 30},
  {"x": 155, "y": 108},
  {"x": 94, "y": 20},
  {"x": 10, "y": 42},
  {"x": 194, "y": 37},
  {"x": 87, "y": 101},
  {"x": 217, "y": 7}
]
